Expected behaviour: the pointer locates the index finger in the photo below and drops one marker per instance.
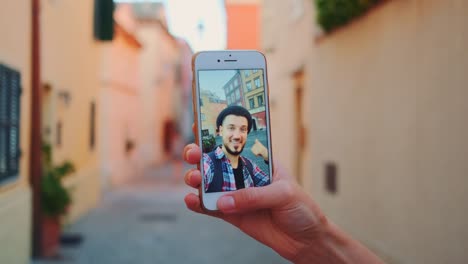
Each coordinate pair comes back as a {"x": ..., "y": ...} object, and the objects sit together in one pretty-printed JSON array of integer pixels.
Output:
[{"x": 192, "y": 153}]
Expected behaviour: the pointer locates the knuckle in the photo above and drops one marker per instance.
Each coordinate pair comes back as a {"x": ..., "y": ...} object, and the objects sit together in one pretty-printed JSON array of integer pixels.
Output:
[{"x": 248, "y": 196}]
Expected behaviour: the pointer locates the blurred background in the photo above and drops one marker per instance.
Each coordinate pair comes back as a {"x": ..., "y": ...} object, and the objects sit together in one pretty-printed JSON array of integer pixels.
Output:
[{"x": 368, "y": 107}]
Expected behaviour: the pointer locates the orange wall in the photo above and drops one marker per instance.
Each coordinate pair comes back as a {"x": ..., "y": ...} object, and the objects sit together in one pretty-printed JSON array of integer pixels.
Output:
[{"x": 243, "y": 26}]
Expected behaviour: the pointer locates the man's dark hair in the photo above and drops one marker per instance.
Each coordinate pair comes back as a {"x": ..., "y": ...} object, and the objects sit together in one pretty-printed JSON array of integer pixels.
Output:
[{"x": 237, "y": 111}]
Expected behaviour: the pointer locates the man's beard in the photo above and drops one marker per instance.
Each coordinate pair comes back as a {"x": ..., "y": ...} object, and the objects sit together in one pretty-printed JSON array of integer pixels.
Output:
[{"x": 234, "y": 153}]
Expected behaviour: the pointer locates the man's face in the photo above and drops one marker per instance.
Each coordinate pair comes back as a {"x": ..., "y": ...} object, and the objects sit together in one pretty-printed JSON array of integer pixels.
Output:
[{"x": 234, "y": 133}]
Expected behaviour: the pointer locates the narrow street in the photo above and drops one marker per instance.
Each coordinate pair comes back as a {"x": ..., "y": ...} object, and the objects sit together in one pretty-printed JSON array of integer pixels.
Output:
[{"x": 147, "y": 222}]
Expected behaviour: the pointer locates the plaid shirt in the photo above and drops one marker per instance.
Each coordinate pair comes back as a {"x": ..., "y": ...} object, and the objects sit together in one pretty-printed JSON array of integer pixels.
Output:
[{"x": 259, "y": 178}]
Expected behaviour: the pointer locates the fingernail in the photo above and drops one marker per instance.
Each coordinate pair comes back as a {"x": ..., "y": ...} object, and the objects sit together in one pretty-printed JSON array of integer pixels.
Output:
[
  {"x": 187, "y": 153},
  {"x": 189, "y": 175},
  {"x": 226, "y": 203}
]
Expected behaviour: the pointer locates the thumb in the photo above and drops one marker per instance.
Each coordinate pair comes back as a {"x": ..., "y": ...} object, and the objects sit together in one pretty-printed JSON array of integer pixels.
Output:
[{"x": 257, "y": 198}]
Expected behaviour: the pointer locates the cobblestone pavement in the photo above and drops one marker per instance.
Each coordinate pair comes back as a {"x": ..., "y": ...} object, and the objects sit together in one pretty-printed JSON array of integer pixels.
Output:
[{"x": 147, "y": 222}]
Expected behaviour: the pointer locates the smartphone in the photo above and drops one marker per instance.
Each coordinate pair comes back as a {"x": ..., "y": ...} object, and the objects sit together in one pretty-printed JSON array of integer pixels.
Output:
[{"x": 232, "y": 118}]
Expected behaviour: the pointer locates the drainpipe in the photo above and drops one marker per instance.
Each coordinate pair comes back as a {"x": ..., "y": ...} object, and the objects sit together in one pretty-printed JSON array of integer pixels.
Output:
[{"x": 35, "y": 133}]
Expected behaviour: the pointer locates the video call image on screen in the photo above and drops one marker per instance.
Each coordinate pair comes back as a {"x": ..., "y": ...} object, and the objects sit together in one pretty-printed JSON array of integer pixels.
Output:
[{"x": 233, "y": 122}]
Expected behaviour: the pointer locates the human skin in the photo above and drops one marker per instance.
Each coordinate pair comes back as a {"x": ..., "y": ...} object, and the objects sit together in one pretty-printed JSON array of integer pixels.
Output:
[
  {"x": 281, "y": 216},
  {"x": 234, "y": 132},
  {"x": 259, "y": 149}
]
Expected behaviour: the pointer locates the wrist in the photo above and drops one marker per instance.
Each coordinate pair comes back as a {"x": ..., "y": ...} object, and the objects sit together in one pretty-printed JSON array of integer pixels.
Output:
[
  {"x": 327, "y": 247},
  {"x": 334, "y": 246}
]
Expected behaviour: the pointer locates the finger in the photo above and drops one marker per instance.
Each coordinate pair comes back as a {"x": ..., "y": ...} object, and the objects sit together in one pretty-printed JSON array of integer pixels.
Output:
[
  {"x": 250, "y": 199},
  {"x": 279, "y": 173},
  {"x": 192, "y": 201},
  {"x": 192, "y": 154},
  {"x": 193, "y": 178}
]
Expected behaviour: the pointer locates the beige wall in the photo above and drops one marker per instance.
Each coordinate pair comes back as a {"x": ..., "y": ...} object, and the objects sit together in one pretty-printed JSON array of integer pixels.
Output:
[
  {"x": 158, "y": 60},
  {"x": 69, "y": 63},
  {"x": 385, "y": 99},
  {"x": 284, "y": 42},
  {"x": 121, "y": 103},
  {"x": 389, "y": 107},
  {"x": 15, "y": 230},
  {"x": 15, "y": 197}
]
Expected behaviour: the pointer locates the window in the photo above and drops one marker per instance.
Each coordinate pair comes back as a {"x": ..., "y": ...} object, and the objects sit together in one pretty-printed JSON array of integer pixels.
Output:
[
  {"x": 247, "y": 73},
  {"x": 236, "y": 82},
  {"x": 249, "y": 86},
  {"x": 92, "y": 126},
  {"x": 257, "y": 82},
  {"x": 237, "y": 94},
  {"x": 58, "y": 134},
  {"x": 254, "y": 71},
  {"x": 251, "y": 103},
  {"x": 260, "y": 100},
  {"x": 10, "y": 91},
  {"x": 103, "y": 20},
  {"x": 203, "y": 118},
  {"x": 228, "y": 99}
]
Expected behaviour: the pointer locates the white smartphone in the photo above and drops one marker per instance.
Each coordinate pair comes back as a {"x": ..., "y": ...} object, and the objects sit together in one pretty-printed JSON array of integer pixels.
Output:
[{"x": 232, "y": 117}]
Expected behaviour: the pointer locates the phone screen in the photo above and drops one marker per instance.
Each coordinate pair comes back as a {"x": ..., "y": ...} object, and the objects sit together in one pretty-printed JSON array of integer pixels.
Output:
[{"x": 234, "y": 129}]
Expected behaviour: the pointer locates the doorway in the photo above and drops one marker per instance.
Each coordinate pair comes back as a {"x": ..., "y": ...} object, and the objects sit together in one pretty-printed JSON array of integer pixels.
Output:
[{"x": 299, "y": 127}]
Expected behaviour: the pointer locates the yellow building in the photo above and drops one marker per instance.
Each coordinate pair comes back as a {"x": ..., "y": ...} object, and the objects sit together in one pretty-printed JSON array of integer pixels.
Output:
[
  {"x": 253, "y": 90},
  {"x": 15, "y": 192},
  {"x": 70, "y": 67},
  {"x": 254, "y": 98}
]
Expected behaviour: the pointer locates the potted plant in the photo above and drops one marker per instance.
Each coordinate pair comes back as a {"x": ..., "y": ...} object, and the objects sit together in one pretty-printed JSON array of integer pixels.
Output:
[
  {"x": 209, "y": 143},
  {"x": 55, "y": 200}
]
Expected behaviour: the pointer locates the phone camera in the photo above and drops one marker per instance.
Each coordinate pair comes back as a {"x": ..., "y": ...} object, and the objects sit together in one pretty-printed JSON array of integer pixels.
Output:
[
  {"x": 218, "y": 60},
  {"x": 229, "y": 55}
]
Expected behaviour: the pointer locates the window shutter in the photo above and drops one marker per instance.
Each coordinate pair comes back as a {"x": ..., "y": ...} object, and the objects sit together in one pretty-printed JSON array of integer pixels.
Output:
[
  {"x": 10, "y": 91},
  {"x": 104, "y": 19}
]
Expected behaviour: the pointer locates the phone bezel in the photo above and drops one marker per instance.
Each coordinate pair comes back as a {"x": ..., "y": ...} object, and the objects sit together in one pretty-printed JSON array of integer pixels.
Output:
[{"x": 227, "y": 60}]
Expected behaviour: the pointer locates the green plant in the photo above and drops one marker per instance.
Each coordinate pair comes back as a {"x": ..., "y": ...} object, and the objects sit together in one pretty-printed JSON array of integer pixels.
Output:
[
  {"x": 55, "y": 198},
  {"x": 335, "y": 13},
  {"x": 209, "y": 143}
]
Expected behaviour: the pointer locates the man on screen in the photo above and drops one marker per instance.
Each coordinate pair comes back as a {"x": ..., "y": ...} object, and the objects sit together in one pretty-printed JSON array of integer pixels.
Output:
[{"x": 224, "y": 168}]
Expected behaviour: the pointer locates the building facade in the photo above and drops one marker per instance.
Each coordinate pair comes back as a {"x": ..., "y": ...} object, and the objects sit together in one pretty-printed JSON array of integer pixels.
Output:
[
  {"x": 243, "y": 24},
  {"x": 210, "y": 106},
  {"x": 254, "y": 98},
  {"x": 15, "y": 191},
  {"x": 69, "y": 104},
  {"x": 120, "y": 82},
  {"x": 383, "y": 109},
  {"x": 160, "y": 63},
  {"x": 69, "y": 67},
  {"x": 234, "y": 91}
]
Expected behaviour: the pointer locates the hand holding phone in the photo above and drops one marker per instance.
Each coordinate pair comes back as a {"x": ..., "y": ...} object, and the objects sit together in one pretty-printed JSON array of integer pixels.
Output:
[
  {"x": 231, "y": 109},
  {"x": 281, "y": 216},
  {"x": 231, "y": 114}
]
